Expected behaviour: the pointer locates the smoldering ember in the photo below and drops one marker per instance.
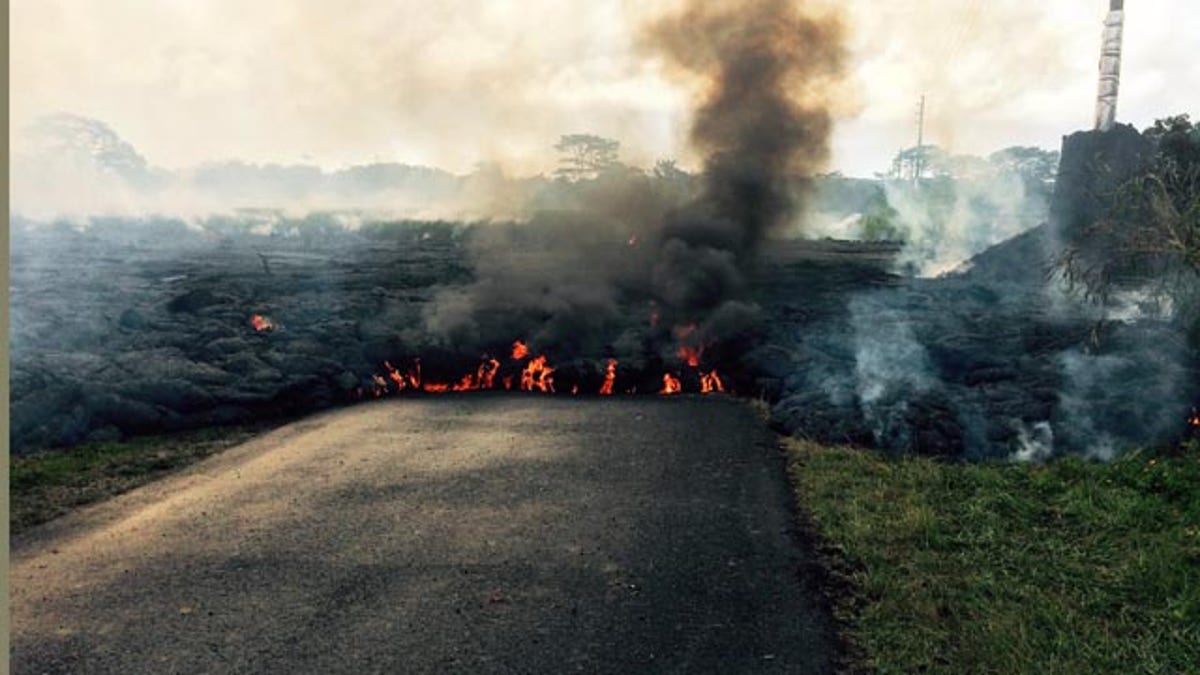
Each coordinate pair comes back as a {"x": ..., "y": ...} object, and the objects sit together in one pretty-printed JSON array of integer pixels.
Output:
[{"x": 616, "y": 280}]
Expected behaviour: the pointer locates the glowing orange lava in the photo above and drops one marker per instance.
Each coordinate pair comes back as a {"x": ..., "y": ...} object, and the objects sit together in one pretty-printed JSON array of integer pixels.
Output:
[
  {"x": 519, "y": 351},
  {"x": 688, "y": 353},
  {"x": 538, "y": 376},
  {"x": 395, "y": 376},
  {"x": 610, "y": 378},
  {"x": 710, "y": 383},
  {"x": 535, "y": 374},
  {"x": 261, "y": 323},
  {"x": 671, "y": 385},
  {"x": 380, "y": 387}
]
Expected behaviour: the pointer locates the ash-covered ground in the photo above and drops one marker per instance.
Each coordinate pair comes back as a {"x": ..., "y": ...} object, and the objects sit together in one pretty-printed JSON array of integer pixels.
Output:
[
  {"x": 131, "y": 327},
  {"x": 997, "y": 360}
]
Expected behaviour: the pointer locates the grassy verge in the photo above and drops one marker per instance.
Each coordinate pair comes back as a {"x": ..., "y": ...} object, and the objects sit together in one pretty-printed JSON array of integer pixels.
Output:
[
  {"x": 51, "y": 483},
  {"x": 1067, "y": 567}
]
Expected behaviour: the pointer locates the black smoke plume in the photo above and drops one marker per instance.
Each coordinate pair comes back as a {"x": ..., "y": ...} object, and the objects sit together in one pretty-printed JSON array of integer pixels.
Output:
[{"x": 620, "y": 279}]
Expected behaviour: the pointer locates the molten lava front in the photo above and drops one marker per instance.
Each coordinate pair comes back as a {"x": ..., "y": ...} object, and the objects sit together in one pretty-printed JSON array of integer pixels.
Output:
[
  {"x": 711, "y": 382},
  {"x": 524, "y": 371},
  {"x": 610, "y": 378},
  {"x": 537, "y": 376},
  {"x": 519, "y": 350},
  {"x": 671, "y": 385},
  {"x": 261, "y": 323}
]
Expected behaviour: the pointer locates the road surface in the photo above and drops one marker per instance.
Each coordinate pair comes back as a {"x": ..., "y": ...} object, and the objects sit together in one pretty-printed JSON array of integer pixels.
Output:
[{"x": 458, "y": 534}]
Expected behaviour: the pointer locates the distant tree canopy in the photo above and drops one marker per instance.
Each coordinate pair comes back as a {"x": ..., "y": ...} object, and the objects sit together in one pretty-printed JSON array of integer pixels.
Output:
[
  {"x": 668, "y": 169},
  {"x": 1035, "y": 165},
  {"x": 586, "y": 156}
]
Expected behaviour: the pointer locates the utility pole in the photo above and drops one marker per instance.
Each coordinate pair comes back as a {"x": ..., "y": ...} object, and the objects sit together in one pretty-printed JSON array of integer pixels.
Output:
[
  {"x": 919, "y": 163},
  {"x": 1110, "y": 66}
]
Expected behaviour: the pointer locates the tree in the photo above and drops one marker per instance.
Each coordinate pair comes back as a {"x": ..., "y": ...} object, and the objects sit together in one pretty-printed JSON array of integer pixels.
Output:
[
  {"x": 914, "y": 163},
  {"x": 1035, "y": 165},
  {"x": 1151, "y": 235},
  {"x": 668, "y": 169},
  {"x": 586, "y": 156}
]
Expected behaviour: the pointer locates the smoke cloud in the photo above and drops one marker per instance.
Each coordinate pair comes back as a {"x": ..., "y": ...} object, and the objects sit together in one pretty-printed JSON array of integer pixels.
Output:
[
  {"x": 765, "y": 69},
  {"x": 761, "y": 74},
  {"x": 943, "y": 231}
]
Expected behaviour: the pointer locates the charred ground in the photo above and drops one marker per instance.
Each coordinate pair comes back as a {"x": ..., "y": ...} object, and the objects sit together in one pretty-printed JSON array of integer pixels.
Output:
[{"x": 125, "y": 328}]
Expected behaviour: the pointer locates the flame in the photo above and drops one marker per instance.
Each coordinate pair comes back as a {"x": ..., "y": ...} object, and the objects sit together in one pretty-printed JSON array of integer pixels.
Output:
[
  {"x": 519, "y": 351},
  {"x": 711, "y": 383},
  {"x": 689, "y": 354},
  {"x": 610, "y": 377},
  {"x": 380, "y": 387},
  {"x": 487, "y": 373},
  {"x": 1194, "y": 420},
  {"x": 538, "y": 376},
  {"x": 395, "y": 376},
  {"x": 467, "y": 383},
  {"x": 671, "y": 385},
  {"x": 261, "y": 323},
  {"x": 484, "y": 377}
]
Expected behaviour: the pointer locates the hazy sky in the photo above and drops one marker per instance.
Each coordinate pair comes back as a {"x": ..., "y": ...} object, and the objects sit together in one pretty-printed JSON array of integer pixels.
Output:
[{"x": 456, "y": 82}]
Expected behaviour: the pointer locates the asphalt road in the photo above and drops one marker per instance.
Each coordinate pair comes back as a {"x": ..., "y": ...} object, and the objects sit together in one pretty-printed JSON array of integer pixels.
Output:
[{"x": 473, "y": 534}]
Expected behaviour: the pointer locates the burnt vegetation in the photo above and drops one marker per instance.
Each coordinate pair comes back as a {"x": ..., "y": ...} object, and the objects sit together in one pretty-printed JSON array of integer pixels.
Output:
[
  {"x": 166, "y": 324},
  {"x": 1149, "y": 238}
]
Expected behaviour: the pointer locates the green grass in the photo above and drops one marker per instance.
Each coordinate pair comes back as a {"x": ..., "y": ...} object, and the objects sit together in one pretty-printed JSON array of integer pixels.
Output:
[
  {"x": 1066, "y": 567},
  {"x": 49, "y": 484}
]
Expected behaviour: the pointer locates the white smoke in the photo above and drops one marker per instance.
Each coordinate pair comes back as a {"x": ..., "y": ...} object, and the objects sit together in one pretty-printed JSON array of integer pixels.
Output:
[
  {"x": 945, "y": 223},
  {"x": 1035, "y": 443},
  {"x": 890, "y": 364}
]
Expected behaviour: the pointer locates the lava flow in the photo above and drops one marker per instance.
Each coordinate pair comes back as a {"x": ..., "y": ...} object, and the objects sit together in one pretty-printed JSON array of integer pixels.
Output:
[
  {"x": 519, "y": 351},
  {"x": 687, "y": 353},
  {"x": 671, "y": 385},
  {"x": 711, "y": 382},
  {"x": 538, "y": 376},
  {"x": 524, "y": 372},
  {"x": 261, "y": 323},
  {"x": 610, "y": 377}
]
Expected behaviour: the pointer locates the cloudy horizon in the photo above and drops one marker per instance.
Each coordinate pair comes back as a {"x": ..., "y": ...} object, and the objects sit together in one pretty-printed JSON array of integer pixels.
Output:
[{"x": 467, "y": 82}]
